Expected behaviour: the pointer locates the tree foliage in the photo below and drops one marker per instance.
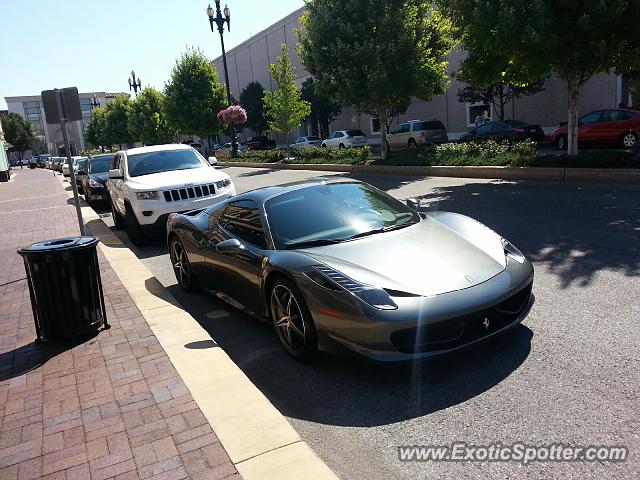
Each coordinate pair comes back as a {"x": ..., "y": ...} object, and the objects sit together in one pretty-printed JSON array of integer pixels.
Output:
[
  {"x": 147, "y": 122},
  {"x": 94, "y": 132},
  {"x": 380, "y": 53},
  {"x": 116, "y": 122},
  {"x": 497, "y": 94},
  {"x": 323, "y": 108},
  {"x": 252, "y": 99},
  {"x": 572, "y": 39},
  {"x": 194, "y": 95},
  {"x": 285, "y": 108},
  {"x": 18, "y": 132}
]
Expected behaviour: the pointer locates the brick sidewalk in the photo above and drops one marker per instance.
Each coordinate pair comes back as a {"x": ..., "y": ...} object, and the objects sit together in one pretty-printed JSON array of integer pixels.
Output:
[{"x": 113, "y": 407}]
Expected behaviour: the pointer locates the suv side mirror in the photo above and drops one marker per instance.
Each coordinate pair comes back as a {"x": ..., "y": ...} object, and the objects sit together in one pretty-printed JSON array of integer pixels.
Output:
[
  {"x": 213, "y": 161},
  {"x": 115, "y": 174},
  {"x": 413, "y": 204},
  {"x": 231, "y": 245}
]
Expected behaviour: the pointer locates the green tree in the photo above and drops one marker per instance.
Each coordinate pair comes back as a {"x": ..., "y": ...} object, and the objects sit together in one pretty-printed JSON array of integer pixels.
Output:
[
  {"x": 116, "y": 122},
  {"x": 252, "y": 99},
  {"x": 323, "y": 108},
  {"x": 94, "y": 133},
  {"x": 572, "y": 39},
  {"x": 18, "y": 132},
  {"x": 194, "y": 95},
  {"x": 285, "y": 108},
  {"x": 147, "y": 121},
  {"x": 379, "y": 55}
]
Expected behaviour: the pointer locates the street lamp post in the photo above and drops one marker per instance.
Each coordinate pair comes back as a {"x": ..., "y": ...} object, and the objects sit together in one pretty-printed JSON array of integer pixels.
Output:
[
  {"x": 134, "y": 84},
  {"x": 220, "y": 20}
]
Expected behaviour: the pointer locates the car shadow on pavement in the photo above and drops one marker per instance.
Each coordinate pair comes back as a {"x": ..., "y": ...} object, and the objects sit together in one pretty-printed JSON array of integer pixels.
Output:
[
  {"x": 258, "y": 171},
  {"x": 338, "y": 390},
  {"x": 576, "y": 231}
]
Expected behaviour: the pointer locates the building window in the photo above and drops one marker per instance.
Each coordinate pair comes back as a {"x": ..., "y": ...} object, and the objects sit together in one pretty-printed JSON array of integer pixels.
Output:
[
  {"x": 33, "y": 113},
  {"x": 375, "y": 125},
  {"x": 85, "y": 107},
  {"x": 475, "y": 109}
]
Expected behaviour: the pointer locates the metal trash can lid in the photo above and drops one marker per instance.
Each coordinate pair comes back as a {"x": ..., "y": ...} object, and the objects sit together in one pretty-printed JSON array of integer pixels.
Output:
[{"x": 60, "y": 245}]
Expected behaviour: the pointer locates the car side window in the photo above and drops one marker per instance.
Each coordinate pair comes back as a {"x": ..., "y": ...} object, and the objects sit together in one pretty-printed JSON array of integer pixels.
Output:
[
  {"x": 405, "y": 127},
  {"x": 242, "y": 220},
  {"x": 590, "y": 118}
]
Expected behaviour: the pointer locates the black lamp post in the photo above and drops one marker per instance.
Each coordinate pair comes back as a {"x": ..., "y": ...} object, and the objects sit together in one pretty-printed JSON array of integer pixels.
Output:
[
  {"x": 220, "y": 20},
  {"x": 134, "y": 84}
]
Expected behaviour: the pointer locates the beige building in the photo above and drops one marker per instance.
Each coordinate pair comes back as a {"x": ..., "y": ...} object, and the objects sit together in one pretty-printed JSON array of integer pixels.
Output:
[
  {"x": 50, "y": 136},
  {"x": 250, "y": 60}
]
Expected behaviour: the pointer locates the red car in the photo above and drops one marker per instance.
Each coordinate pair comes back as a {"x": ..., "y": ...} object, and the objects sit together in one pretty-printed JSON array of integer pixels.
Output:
[{"x": 603, "y": 127}]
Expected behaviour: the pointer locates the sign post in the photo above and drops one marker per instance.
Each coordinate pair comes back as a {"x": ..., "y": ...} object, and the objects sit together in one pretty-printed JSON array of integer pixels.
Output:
[{"x": 61, "y": 106}]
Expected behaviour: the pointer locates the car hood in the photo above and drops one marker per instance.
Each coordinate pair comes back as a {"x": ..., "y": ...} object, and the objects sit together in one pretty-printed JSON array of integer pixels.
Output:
[
  {"x": 101, "y": 177},
  {"x": 443, "y": 253},
  {"x": 176, "y": 178}
]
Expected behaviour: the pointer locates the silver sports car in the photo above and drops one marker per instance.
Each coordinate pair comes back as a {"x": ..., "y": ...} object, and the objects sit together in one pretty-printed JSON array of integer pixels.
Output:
[{"x": 338, "y": 263}]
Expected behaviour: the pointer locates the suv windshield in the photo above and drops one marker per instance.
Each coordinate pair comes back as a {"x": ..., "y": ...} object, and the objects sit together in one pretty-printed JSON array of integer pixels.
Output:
[
  {"x": 100, "y": 164},
  {"x": 163, "y": 161},
  {"x": 332, "y": 213}
]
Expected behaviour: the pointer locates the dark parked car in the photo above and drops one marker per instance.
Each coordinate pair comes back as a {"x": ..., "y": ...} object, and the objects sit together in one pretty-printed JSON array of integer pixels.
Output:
[
  {"x": 603, "y": 127},
  {"x": 80, "y": 167},
  {"x": 338, "y": 263},
  {"x": 504, "y": 131},
  {"x": 260, "y": 143},
  {"x": 94, "y": 178}
]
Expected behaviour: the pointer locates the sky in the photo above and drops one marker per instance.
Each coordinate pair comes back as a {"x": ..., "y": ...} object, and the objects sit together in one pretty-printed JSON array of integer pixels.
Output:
[{"x": 94, "y": 45}]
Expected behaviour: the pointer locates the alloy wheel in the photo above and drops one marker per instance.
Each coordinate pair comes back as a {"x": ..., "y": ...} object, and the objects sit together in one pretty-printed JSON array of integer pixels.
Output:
[
  {"x": 180, "y": 264},
  {"x": 629, "y": 140},
  {"x": 287, "y": 319}
]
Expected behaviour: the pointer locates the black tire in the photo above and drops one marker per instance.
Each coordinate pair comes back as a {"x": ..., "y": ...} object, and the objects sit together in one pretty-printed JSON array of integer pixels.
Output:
[
  {"x": 341, "y": 146},
  {"x": 295, "y": 331},
  {"x": 118, "y": 221},
  {"x": 323, "y": 146},
  {"x": 629, "y": 140},
  {"x": 561, "y": 142},
  {"x": 181, "y": 266},
  {"x": 412, "y": 144},
  {"x": 134, "y": 231}
]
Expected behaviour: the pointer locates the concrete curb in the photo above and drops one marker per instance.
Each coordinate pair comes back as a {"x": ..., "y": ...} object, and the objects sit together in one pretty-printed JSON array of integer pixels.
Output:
[
  {"x": 257, "y": 437},
  {"x": 540, "y": 174}
]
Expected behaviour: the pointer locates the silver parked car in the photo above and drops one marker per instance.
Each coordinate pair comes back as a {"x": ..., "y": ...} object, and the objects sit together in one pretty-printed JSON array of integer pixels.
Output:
[
  {"x": 338, "y": 263},
  {"x": 304, "y": 142},
  {"x": 416, "y": 133}
]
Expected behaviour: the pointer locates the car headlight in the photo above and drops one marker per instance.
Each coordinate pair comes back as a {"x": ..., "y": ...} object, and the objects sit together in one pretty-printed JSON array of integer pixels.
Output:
[
  {"x": 223, "y": 183},
  {"x": 328, "y": 277},
  {"x": 152, "y": 195},
  {"x": 94, "y": 184},
  {"x": 511, "y": 251}
]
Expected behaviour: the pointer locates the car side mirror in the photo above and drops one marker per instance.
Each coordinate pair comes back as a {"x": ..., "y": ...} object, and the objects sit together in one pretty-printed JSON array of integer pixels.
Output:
[
  {"x": 115, "y": 174},
  {"x": 413, "y": 204},
  {"x": 81, "y": 172},
  {"x": 213, "y": 161},
  {"x": 231, "y": 245}
]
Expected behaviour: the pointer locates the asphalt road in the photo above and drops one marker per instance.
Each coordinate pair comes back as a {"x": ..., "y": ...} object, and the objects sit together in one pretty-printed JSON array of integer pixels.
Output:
[{"x": 570, "y": 374}]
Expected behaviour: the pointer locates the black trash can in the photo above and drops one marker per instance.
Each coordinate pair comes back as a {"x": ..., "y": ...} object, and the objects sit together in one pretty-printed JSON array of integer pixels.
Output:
[{"x": 65, "y": 288}]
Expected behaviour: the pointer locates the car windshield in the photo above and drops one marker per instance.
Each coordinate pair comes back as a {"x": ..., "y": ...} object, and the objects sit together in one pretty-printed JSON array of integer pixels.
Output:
[
  {"x": 100, "y": 164},
  {"x": 163, "y": 161},
  {"x": 332, "y": 213}
]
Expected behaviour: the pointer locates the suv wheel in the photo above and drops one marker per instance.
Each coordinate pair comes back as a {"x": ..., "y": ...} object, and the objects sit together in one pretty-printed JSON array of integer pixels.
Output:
[
  {"x": 629, "y": 140},
  {"x": 292, "y": 320},
  {"x": 341, "y": 146},
  {"x": 134, "y": 231},
  {"x": 118, "y": 221},
  {"x": 412, "y": 144}
]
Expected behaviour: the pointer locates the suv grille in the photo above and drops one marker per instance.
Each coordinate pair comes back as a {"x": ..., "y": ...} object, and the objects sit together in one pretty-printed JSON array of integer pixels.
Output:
[{"x": 189, "y": 192}]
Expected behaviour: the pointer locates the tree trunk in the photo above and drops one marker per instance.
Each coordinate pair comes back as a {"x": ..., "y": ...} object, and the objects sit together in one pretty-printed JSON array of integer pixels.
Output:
[
  {"x": 382, "y": 115},
  {"x": 572, "y": 126}
]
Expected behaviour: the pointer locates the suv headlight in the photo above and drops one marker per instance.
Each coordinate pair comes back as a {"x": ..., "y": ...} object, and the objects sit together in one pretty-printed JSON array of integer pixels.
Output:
[
  {"x": 152, "y": 195},
  {"x": 328, "y": 277}
]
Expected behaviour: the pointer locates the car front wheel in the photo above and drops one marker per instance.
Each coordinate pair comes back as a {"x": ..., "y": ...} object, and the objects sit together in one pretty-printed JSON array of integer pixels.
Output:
[
  {"x": 629, "y": 140},
  {"x": 134, "y": 230},
  {"x": 118, "y": 221},
  {"x": 181, "y": 266},
  {"x": 561, "y": 142},
  {"x": 292, "y": 321}
]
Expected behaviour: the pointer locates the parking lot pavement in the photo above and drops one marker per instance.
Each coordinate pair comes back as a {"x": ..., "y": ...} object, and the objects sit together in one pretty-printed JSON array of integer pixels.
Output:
[{"x": 569, "y": 374}]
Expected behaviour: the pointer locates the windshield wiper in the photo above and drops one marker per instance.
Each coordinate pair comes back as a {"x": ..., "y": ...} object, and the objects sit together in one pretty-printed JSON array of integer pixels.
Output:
[
  {"x": 312, "y": 243},
  {"x": 379, "y": 230}
]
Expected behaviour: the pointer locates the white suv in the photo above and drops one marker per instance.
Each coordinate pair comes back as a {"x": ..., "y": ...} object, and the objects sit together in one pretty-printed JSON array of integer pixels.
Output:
[{"x": 147, "y": 184}]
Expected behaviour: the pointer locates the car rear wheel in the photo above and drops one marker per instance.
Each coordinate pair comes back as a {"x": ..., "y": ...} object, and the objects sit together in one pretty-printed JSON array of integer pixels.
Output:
[
  {"x": 292, "y": 321},
  {"x": 412, "y": 144},
  {"x": 118, "y": 221},
  {"x": 181, "y": 266},
  {"x": 134, "y": 230},
  {"x": 561, "y": 142},
  {"x": 629, "y": 140},
  {"x": 341, "y": 146}
]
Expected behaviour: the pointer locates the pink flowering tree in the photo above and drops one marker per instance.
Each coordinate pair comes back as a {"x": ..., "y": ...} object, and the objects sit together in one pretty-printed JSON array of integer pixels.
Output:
[{"x": 233, "y": 115}]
